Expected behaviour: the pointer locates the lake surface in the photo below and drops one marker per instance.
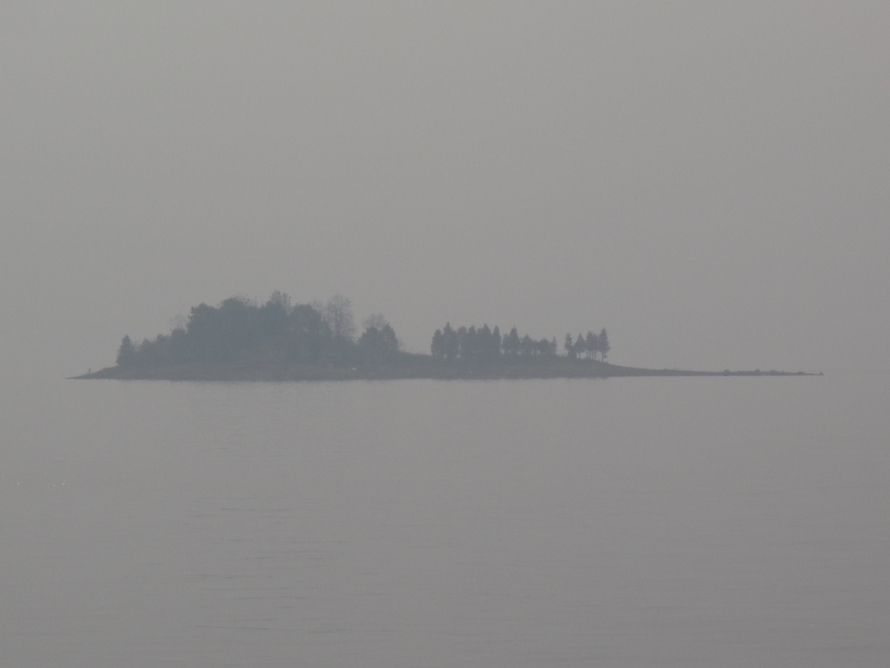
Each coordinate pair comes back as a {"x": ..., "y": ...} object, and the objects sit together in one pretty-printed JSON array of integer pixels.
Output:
[{"x": 628, "y": 522}]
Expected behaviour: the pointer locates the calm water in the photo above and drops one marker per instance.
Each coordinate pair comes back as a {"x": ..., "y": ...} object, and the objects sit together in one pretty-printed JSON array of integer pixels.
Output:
[{"x": 627, "y": 522}]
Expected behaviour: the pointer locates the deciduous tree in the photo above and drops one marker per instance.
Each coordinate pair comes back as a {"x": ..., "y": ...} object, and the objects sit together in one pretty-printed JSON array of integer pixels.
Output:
[{"x": 338, "y": 315}]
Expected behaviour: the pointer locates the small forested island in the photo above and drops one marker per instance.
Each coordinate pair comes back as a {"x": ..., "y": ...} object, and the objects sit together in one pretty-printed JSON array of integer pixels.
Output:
[{"x": 241, "y": 339}]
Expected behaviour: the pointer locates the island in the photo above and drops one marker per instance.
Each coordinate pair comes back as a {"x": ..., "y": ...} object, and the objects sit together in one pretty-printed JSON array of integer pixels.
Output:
[{"x": 244, "y": 340}]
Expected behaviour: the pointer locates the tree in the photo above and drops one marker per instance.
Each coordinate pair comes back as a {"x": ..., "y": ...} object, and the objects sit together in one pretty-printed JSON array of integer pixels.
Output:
[
  {"x": 450, "y": 343},
  {"x": 462, "y": 350},
  {"x": 306, "y": 333},
  {"x": 469, "y": 345},
  {"x": 272, "y": 318},
  {"x": 604, "y": 344},
  {"x": 437, "y": 348},
  {"x": 126, "y": 354},
  {"x": 378, "y": 345},
  {"x": 511, "y": 343},
  {"x": 375, "y": 320},
  {"x": 526, "y": 346},
  {"x": 489, "y": 345},
  {"x": 591, "y": 344},
  {"x": 569, "y": 346},
  {"x": 281, "y": 299},
  {"x": 580, "y": 345},
  {"x": 388, "y": 340},
  {"x": 338, "y": 315}
]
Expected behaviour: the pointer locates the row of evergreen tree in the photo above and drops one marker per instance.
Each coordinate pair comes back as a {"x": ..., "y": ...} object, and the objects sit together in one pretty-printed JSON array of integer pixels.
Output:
[
  {"x": 241, "y": 329},
  {"x": 588, "y": 345},
  {"x": 484, "y": 345}
]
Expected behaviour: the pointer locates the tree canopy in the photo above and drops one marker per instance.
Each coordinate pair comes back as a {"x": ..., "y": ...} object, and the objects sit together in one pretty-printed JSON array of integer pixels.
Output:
[{"x": 240, "y": 330}]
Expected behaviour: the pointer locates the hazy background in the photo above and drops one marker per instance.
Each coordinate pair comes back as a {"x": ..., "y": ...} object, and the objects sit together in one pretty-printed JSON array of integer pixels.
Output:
[{"x": 707, "y": 180}]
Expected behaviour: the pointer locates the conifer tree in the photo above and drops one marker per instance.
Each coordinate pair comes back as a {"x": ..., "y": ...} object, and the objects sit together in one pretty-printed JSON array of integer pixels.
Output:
[
  {"x": 526, "y": 346},
  {"x": 496, "y": 342},
  {"x": 126, "y": 354},
  {"x": 438, "y": 346},
  {"x": 511, "y": 343},
  {"x": 450, "y": 343},
  {"x": 569, "y": 346},
  {"x": 591, "y": 344},
  {"x": 580, "y": 345},
  {"x": 604, "y": 344}
]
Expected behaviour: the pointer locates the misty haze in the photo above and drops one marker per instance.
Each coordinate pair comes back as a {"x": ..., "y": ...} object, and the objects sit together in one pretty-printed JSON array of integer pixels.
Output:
[
  {"x": 241, "y": 339},
  {"x": 560, "y": 208}
]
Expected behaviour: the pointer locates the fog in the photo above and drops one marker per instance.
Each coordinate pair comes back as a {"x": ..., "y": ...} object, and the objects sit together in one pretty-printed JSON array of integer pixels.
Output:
[{"x": 707, "y": 180}]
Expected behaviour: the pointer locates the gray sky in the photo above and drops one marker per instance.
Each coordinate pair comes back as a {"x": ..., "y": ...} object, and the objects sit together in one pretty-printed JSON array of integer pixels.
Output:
[{"x": 707, "y": 180}]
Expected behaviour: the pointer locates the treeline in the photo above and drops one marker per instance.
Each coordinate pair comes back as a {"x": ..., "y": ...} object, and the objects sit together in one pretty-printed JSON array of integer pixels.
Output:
[
  {"x": 240, "y": 330},
  {"x": 484, "y": 345},
  {"x": 278, "y": 332},
  {"x": 589, "y": 345}
]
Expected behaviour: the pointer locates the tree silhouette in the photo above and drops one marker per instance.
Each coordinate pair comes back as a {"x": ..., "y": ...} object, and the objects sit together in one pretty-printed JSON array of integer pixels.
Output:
[
  {"x": 437, "y": 348},
  {"x": 580, "y": 345},
  {"x": 378, "y": 346},
  {"x": 338, "y": 315},
  {"x": 126, "y": 354},
  {"x": 450, "y": 343},
  {"x": 511, "y": 343},
  {"x": 604, "y": 344},
  {"x": 591, "y": 344},
  {"x": 569, "y": 347}
]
